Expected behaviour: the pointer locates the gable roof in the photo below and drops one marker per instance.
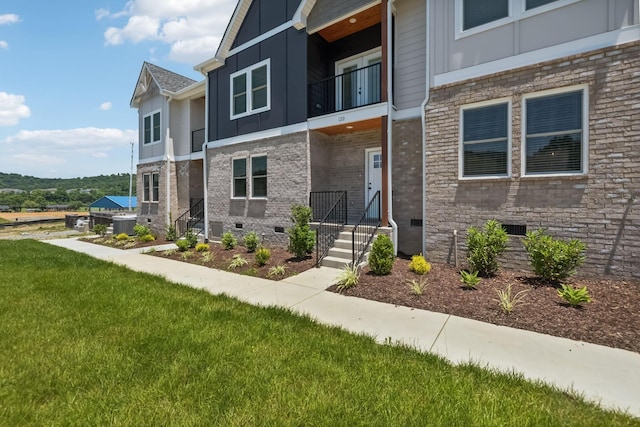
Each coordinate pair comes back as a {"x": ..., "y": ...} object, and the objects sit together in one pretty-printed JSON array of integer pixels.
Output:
[
  {"x": 115, "y": 202},
  {"x": 167, "y": 81}
]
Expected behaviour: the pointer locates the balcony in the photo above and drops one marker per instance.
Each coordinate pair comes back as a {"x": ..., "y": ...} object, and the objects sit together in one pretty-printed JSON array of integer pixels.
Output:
[
  {"x": 197, "y": 140},
  {"x": 357, "y": 88}
]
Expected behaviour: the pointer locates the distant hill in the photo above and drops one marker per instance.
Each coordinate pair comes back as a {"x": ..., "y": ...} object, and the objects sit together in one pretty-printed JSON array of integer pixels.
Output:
[{"x": 114, "y": 185}]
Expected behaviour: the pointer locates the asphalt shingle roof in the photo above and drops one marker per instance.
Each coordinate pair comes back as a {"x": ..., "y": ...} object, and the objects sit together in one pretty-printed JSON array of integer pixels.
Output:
[{"x": 168, "y": 80}]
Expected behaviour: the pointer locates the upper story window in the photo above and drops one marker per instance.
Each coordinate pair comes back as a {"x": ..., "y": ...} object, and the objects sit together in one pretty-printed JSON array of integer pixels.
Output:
[
  {"x": 485, "y": 131},
  {"x": 554, "y": 132},
  {"x": 532, "y": 4},
  {"x": 151, "y": 123},
  {"x": 479, "y": 12},
  {"x": 251, "y": 90}
]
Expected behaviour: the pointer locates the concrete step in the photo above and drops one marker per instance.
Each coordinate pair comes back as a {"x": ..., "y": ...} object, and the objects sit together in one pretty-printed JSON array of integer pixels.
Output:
[
  {"x": 333, "y": 262},
  {"x": 340, "y": 253}
]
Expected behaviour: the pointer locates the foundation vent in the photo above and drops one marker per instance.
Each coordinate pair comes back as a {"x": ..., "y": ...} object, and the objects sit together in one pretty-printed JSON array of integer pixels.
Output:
[
  {"x": 278, "y": 229},
  {"x": 514, "y": 229},
  {"x": 415, "y": 222}
]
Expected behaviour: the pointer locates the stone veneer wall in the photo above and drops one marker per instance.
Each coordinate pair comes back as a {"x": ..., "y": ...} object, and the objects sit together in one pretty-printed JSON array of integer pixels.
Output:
[
  {"x": 288, "y": 183},
  {"x": 601, "y": 208}
]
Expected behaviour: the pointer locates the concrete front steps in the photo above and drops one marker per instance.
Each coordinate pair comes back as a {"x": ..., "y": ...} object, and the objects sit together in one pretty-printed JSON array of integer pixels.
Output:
[{"x": 341, "y": 253}]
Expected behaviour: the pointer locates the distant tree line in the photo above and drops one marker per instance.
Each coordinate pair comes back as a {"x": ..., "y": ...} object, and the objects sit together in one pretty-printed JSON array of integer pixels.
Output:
[{"x": 76, "y": 193}]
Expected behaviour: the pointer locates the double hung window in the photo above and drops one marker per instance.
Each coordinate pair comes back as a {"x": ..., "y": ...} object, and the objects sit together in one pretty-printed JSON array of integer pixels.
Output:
[
  {"x": 151, "y": 128},
  {"x": 250, "y": 90},
  {"x": 255, "y": 183}
]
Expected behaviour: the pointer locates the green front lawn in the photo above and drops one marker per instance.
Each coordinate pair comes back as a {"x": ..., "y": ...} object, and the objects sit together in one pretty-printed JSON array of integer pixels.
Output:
[{"x": 84, "y": 342}]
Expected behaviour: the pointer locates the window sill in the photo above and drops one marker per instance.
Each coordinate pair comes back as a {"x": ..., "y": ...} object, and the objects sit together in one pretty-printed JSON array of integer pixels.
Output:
[
  {"x": 485, "y": 178},
  {"x": 258, "y": 198},
  {"x": 555, "y": 176},
  {"x": 251, "y": 113}
]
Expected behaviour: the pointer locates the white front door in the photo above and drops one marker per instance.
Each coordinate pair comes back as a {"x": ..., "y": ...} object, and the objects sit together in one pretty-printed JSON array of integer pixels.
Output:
[{"x": 374, "y": 175}]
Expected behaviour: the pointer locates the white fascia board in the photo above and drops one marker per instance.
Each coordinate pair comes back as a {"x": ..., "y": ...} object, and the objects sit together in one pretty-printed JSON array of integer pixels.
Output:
[
  {"x": 302, "y": 13},
  {"x": 155, "y": 159},
  {"x": 256, "y": 136},
  {"x": 262, "y": 37},
  {"x": 195, "y": 90},
  {"x": 609, "y": 39}
]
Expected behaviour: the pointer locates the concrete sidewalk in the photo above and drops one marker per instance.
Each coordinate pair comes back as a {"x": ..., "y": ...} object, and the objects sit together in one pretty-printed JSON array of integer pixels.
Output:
[{"x": 605, "y": 375}]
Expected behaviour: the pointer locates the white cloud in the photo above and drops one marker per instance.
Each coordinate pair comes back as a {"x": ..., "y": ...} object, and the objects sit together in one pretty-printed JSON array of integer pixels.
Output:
[
  {"x": 68, "y": 152},
  {"x": 12, "y": 109},
  {"x": 192, "y": 28},
  {"x": 10, "y": 18},
  {"x": 3, "y": 44},
  {"x": 105, "y": 106}
]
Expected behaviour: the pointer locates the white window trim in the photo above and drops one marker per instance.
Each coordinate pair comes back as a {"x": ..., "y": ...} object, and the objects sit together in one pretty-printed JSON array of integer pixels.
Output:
[
  {"x": 246, "y": 177},
  {"x": 250, "y": 111},
  {"x": 144, "y": 199},
  {"x": 250, "y": 192},
  {"x": 152, "y": 142},
  {"x": 585, "y": 130},
  {"x": 481, "y": 104},
  {"x": 151, "y": 198},
  {"x": 516, "y": 12}
]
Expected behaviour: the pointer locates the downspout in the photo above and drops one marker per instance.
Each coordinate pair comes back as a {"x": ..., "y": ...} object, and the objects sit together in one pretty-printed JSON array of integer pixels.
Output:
[
  {"x": 169, "y": 157},
  {"x": 204, "y": 159},
  {"x": 423, "y": 117},
  {"x": 393, "y": 224}
]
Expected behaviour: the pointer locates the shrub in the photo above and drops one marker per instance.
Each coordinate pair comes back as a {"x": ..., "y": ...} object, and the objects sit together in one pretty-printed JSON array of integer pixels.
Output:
[
  {"x": 419, "y": 265},
  {"x": 182, "y": 245},
  {"x": 262, "y": 256},
  {"x": 170, "y": 252},
  {"x": 141, "y": 230},
  {"x": 100, "y": 229},
  {"x": 229, "y": 241},
  {"x": 349, "y": 277},
  {"x": 186, "y": 255},
  {"x": 146, "y": 238},
  {"x": 469, "y": 279},
  {"x": 552, "y": 259},
  {"x": 207, "y": 257},
  {"x": 251, "y": 241},
  {"x": 484, "y": 246},
  {"x": 417, "y": 287},
  {"x": 507, "y": 301},
  {"x": 381, "y": 258},
  {"x": 122, "y": 237},
  {"x": 574, "y": 296},
  {"x": 170, "y": 232},
  {"x": 237, "y": 261},
  {"x": 191, "y": 238},
  {"x": 301, "y": 238},
  {"x": 276, "y": 270},
  {"x": 202, "y": 247}
]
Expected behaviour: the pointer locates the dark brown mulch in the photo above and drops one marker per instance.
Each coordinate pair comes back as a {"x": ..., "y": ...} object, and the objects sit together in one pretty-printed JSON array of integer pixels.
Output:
[
  {"x": 611, "y": 319},
  {"x": 222, "y": 258}
]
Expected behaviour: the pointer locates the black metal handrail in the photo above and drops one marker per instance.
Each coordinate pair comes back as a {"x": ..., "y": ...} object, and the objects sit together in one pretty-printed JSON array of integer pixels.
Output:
[
  {"x": 197, "y": 140},
  {"x": 330, "y": 227},
  {"x": 354, "y": 89},
  {"x": 193, "y": 220},
  {"x": 365, "y": 229},
  {"x": 321, "y": 202}
]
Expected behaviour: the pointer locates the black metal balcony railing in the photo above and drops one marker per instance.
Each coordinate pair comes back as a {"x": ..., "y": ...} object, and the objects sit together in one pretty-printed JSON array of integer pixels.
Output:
[
  {"x": 197, "y": 140},
  {"x": 354, "y": 89}
]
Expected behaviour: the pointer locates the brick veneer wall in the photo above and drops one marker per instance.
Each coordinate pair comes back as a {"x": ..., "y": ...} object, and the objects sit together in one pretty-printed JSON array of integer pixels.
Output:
[
  {"x": 601, "y": 208},
  {"x": 154, "y": 214},
  {"x": 288, "y": 183}
]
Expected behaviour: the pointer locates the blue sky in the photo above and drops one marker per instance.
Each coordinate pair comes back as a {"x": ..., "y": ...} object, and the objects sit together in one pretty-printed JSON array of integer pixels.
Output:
[{"x": 68, "y": 69}]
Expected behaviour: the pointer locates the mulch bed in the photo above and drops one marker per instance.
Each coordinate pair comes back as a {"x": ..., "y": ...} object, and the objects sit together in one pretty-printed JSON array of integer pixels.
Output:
[{"x": 611, "y": 319}]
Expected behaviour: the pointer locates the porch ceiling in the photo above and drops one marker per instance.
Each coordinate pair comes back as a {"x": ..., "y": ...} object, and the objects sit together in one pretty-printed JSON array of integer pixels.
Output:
[
  {"x": 365, "y": 19},
  {"x": 352, "y": 127}
]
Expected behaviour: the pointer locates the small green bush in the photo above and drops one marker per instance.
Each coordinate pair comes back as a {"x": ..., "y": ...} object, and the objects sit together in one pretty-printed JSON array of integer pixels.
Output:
[
  {"x": 419, "y": 265},
  {"x": 277, "y": 270},
  {"x": 251, "y": 241},
  {"x": 507, "y": 301},
  {"x": 469, "y": 279},
  {"x": 574, "y": 296},
  {"x": 349, "y": 277},
  {"x": 484, "y": 246},
  {"x": 301, "y": 238},
  {"x": 237, "y": 261},
  {"x": 146, "y": 238},
  {"x": 262, "y": 256},
  {"x": 122, "y": 237},
  {"x": 381, "y": 258},
  {"x": 202, "y": 247},
  {"x": 229, "y": 241},
  {"x": 552, "y": 259},
  {"x": 170, "y": 233},
  {"x": 191, "y": 238},
  {"x": 207, "y": 257},
  {"x": 418, "y": 287},
  {"x": 182, "y": 245},
  {"x": 100, "y": 229},
  {"x": 141, "y": 230}
]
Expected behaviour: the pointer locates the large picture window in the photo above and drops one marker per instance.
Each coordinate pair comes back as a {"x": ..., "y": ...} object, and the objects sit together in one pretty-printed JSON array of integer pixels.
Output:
[
  {"x": 485, "y": 139},
  {"x": 239, "y": 178},
  {"x": 151, "y": 125},
  {"x": 259, "y": 176},
  {"x": 250, "y": 90},
  {"x": 555, "y": 136}
]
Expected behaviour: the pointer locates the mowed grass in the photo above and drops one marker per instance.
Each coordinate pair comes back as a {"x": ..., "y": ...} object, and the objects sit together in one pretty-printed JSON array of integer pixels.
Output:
[{"x": 85, "y": 342}]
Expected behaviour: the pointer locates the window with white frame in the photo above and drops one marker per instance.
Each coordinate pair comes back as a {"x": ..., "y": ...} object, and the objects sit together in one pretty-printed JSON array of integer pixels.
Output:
[
  {"x": 554, "y": 132},
  {"x": 239, "y": 184},
  {"x": 155, "y": 187},
  {"x": 151, "y": 187},
  {"x": 151, "y": 124},
  {"x": 251, "y": 90},
  {"x": 259, "y": 176},
  {"x": 479, "y": 12},
  {"x": 146, "y": 187},
  {"x": 532, "y": 4},
  {"x": 485, "y": 139}
]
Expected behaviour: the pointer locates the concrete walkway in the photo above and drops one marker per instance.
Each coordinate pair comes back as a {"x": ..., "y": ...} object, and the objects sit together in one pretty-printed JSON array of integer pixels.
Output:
[{"x": 605, "y": 375}]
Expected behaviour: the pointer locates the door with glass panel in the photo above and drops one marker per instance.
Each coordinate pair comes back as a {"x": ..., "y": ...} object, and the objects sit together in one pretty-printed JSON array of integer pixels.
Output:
[{"x": 358, "y": 81}]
